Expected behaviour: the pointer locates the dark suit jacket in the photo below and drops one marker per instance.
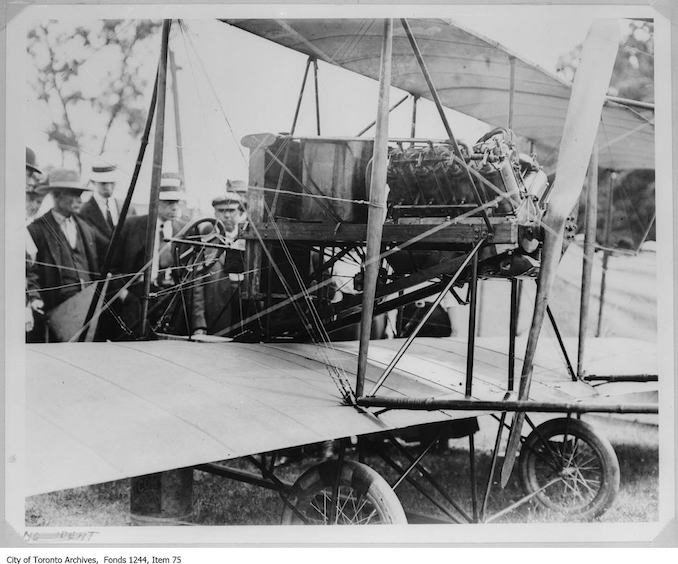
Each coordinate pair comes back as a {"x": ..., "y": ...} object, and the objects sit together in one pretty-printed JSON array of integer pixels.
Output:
[
  {"x": 128, "y": 257},
  {"x": 216, "y": 301},
  {"x": 53, "y": 249},
  {"x": 91, "y": 213}
]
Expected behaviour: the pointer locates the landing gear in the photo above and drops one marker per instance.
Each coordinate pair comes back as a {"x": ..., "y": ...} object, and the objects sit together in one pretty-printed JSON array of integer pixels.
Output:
[
  {"x": 570, "y": 468},
  {"x": 350, "y": 493}
]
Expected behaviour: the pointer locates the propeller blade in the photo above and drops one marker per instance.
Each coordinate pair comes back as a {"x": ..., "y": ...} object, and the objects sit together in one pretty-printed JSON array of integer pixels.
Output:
[{"x": 579, "y": 134}]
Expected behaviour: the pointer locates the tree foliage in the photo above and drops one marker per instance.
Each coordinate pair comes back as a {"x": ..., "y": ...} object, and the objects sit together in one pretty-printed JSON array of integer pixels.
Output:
[
  {"x": 632, "y": 213},
  {"x": 94, "y": 70},
  {"x": 633, "y": 72}
]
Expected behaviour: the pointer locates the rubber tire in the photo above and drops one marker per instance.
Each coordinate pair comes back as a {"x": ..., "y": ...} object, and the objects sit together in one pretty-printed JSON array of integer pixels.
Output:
[
  {"x": 360, "y": 478},
  {"x": 597, "y": 445}
]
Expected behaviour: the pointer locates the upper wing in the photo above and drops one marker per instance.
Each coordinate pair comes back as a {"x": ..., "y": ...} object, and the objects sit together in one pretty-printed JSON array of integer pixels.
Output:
[{"x": 472, "y": 76}]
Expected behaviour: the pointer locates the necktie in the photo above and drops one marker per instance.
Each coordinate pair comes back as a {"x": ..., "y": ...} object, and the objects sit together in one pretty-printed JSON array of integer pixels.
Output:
[{"x": 109, "y": 217}]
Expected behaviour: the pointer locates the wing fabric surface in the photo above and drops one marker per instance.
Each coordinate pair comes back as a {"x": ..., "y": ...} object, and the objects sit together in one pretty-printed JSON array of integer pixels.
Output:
[
  {"x": 105, "y": 411},
  {"x": 472, "y": 76}
]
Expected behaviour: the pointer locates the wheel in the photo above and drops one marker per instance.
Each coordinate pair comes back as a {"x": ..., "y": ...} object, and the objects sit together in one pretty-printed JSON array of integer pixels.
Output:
[
  {"x": 570, "y": 468},
  {"x": 207, "y": 238},
  {"x": 364, "y": 497}
]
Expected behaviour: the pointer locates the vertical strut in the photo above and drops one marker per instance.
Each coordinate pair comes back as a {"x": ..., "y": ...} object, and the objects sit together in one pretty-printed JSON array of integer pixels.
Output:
[
  {"x": 177, "y": 120},
  {"x": 512, "y": 89},
  {"x": 106, "y": 265},
  {"x": 470, "y": 349},
  {"x": 513, "y": 329},
  {"x": 589, "y": 252},
  {"x": 471, "y": 256},
  {"x": 413, "y": 124},
  {"x": 474, "y": 487},
  {"x": 317, "y": 94},
  {"x": 301, "y": 96},
  {"x": 155, "y": 174},
  {"x": 606, "y": 252},
  {"x": 443, "y": 118},
  {"x": 377, "y": 207}
]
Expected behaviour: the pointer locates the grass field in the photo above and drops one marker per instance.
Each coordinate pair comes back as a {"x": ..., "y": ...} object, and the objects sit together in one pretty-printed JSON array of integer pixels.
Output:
[{"x": 218, "y": 501}]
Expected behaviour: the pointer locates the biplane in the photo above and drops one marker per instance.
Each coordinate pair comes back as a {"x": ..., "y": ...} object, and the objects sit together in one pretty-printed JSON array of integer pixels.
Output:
[{"x": 417, "y": 218}]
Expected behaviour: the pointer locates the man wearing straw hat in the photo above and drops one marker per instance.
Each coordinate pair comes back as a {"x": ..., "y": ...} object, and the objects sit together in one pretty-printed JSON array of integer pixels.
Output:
[
  {"x": 102, "y": 210},
  {"x": 128, "y": 258},
  {"x": 66, "y": 258}
]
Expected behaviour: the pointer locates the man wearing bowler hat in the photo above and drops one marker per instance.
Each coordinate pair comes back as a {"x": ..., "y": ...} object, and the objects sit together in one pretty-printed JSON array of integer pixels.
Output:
[
  {"x": 33, "y": 176},
  {"x": 129, "y": 255},
  {"x": 102, "y": 210},
  {"x": 34, "y": 322},
  {"x": 66, "y": 258}
]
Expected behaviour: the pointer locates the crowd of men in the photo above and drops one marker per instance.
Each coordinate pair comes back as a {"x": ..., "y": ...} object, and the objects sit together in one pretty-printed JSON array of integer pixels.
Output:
[{"x": 67, "y": 247}]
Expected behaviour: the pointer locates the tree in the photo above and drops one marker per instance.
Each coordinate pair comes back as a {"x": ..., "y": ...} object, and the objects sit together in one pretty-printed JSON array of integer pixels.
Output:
[
  {"x": 633, "y": 72},
  {"x": 633, "y": 205},
  {"x": 92, "y": 78}
]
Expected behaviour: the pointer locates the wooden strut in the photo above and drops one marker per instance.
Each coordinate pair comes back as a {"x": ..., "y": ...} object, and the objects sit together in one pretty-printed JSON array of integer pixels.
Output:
[
  {"x": 472, "y": 256},
  {"x": 177, "y": 119},
  {"x": 165, "y": 496},
  {"x": 523, "y": 406},
  {"x": 317, "y": 94},
  {"x": 155, "y": 175},
  {"x": 590, "y": 228},
  {"x": 377, "y": 208},
  {"x": 372, "y": 123},
  {"x": 443, "y": 117},
  {"x": 606, "y": 251},
  {"x": 106, "y": 267}
]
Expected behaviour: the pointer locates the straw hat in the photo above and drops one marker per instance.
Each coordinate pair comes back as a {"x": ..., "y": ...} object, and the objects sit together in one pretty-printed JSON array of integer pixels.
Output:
[
  {"x": 170, "y": 187},
  {"x": 103, "y": 172}
]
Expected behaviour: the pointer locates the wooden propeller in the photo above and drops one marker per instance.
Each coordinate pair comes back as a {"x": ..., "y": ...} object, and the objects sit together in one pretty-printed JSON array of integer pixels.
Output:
[{"x": 590, "y": 86}]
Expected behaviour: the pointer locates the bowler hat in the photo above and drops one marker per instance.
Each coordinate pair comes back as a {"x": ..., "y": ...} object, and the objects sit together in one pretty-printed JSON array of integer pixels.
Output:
[
  {"x": 63, "y": 179},
  {"x": 103, "y": 172},
  {"x": 31, "y": 162},
  {"x": 170, "y": 187}
]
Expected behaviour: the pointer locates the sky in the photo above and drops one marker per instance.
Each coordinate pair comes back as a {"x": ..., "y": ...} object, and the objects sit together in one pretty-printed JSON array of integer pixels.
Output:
[{"x": 232, "y": 83}]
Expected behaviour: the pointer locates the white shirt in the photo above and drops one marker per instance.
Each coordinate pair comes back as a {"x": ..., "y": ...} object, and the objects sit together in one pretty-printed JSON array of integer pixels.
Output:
[
  {"x": 68, "y": 228},
  {"x": 112, "y": 206},
  {"x": 166, "y": 229}
]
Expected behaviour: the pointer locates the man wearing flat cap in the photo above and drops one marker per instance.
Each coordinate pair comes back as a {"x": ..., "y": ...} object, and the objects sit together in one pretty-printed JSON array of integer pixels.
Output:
[
  {"x": 216, "y": 303},
  {"x": 130, "y": 253},
  {"x": 66, "y": 258},
  {"x": 102, "y": 210}
]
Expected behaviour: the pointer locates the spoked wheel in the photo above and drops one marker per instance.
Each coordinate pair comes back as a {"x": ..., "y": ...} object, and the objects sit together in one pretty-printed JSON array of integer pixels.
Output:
[
  {"x": 205, "y": 240},
  {"x": 363, "y": 497},
  {"x": 570, "y": 468}
]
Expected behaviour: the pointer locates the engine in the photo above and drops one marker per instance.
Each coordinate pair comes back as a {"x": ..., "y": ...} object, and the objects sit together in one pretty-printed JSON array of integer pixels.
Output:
[{"x": 428, "y": 179}]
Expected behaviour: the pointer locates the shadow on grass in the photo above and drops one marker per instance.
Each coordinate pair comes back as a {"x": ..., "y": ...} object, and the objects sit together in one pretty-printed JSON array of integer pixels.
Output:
[{"x": 218, "y": 501}]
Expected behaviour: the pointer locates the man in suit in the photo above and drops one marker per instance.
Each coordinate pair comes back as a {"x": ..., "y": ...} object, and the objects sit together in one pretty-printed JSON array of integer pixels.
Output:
[
  {"x": 34, "y": 309},
  {"x": 102, "y": 210},
  {"x": 129, "y": 259},
  {"x": 66, "y": 258},
  {"x": 216, "y": 301}
]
